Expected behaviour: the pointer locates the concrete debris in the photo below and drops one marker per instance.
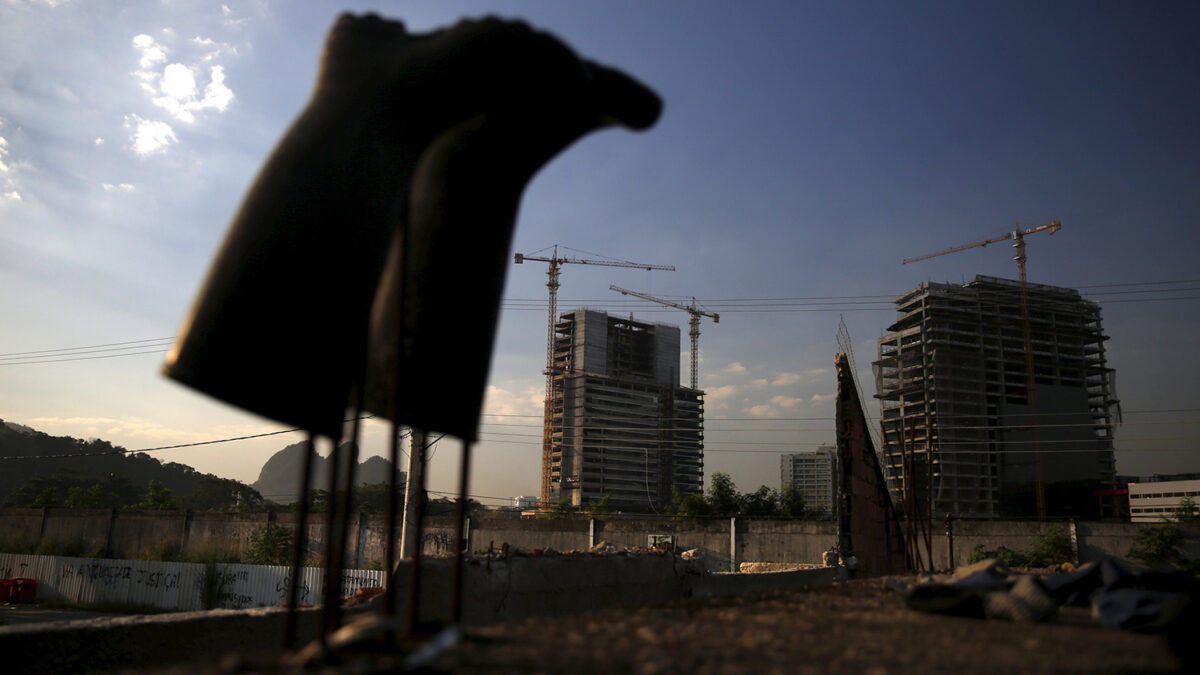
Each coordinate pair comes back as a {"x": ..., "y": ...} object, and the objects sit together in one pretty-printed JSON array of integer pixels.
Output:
[
  {"x": 763, "y": 567},
  {"x": 602, "y": 548}
]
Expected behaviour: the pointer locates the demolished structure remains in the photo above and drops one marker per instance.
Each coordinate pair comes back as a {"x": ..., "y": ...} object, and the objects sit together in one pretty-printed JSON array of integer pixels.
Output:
[
  {"x": 619, "y": 423},
  {"x": 963, "y": 434}
]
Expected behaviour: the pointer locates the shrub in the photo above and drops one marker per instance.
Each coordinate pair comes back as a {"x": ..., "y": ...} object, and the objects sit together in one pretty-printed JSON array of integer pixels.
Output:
[
  {"x": 1051, "y": 546},
  {"x": 270, "y": 545},
  {"x": 1156, "y": 545}
]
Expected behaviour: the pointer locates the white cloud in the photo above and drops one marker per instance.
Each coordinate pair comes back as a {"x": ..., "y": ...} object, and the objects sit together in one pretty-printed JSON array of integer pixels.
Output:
[
  {"x": 178, "y": 82},
  {"x": 734, "y": 368},
  {"x": 719, "y": 395},
  {"x": 216, "y": 94},
  {"x": 152, "y": 53},
  {"x": 821, "y": 398},
  {"x": 503, "y": 404},
  {"x": 785, "y": 379},
  {"x": 760, "y": 382},
  {"x": 99, "y": 141},
  {"x": 149, "y": 136},
  {"x": 786, "y": 401},
  {"x": 8, "y": 173},
  {"x": 764, "y": 411},
  {"x": 182, "y": 86},
  {"x": 120, "y": 187}
]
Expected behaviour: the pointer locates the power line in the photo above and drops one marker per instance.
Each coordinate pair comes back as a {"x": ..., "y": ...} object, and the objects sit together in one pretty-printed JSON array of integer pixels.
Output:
[
  {"x": 84, "y": 358},
  {"x": 123, "y": 451},
  {"x": 806, "y": 303},
  {"x": 72, "y": 349}
]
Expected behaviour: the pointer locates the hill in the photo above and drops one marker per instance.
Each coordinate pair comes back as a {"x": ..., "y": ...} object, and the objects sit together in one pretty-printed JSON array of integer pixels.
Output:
[
  {"x": 279, "y": 479},
  {"x": 44, "y": 470}
]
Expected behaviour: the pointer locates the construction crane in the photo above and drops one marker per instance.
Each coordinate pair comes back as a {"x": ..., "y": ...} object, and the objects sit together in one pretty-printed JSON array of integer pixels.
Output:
[
  {"x": 693, "y": 322},
  {"x": 553, "y": 272},
  {"x": 1018, "y": 236}
]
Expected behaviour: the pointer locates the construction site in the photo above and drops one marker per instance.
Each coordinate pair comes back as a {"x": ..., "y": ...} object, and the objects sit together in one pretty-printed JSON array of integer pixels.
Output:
[
  {"x": 619, "y": 424},
  {"x": 968, "y": 429}
]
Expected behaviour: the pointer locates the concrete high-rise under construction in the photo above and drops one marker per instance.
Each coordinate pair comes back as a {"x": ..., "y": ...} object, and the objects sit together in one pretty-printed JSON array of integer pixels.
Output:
[
  {"x": 962, "y": 432},
  {"x": 618, "y": 422}
]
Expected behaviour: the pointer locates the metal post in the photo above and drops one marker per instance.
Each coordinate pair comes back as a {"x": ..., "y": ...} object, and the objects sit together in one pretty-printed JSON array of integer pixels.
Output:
[
  {"x": 329, "y": 600},
  {"x": 389, "y": 598},
  {"x": 464, "y": 475},
  {"x": 417, "y": 499},
  {"x": 298, "y": 545},
  {"x": 413, "y": 494},
  {"x": 949, "y": 541},
  {"x": 733, "y": 556},
  {"x": 339, "y": 525}
]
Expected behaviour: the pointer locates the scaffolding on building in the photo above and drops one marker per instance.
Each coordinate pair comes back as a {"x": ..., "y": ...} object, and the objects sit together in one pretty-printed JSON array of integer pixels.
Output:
[{"x": 958, "y": 427}]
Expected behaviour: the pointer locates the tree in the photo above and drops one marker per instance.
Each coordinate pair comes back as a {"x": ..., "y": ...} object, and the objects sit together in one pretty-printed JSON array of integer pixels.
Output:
[
  {"x": 94, "y": 497},
  {"x": 1186, "y": 511},
  {"x": 373, "y": 498},
  {"x": 689, "y": 506},
  {"x": 47, "y": 498},
  {"x": 211, "y": 493},
  {"x": 270, "y": 545},
  {"x": 763, "y": 503},
  {"x": 158, "y": 498},
  {"x": 723, "y": 498},
  {"x": 791, "y": 502},
  {"x": 561, "y": 509},
  {"x": 445, "y": 506},
  {"x": 598, "y": 508},
  {"x": 1155, "y": 545},
  {"x": 318, "y": 502}
]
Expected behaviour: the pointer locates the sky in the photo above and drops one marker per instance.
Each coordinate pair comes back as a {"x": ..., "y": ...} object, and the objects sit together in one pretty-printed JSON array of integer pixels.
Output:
[{"x": 804, "y": 150}]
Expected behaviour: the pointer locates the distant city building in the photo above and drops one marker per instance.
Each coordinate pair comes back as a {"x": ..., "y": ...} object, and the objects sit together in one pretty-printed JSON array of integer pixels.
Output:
[
  {"x": 1160, "y": 500},
  {"x": 524, "y": 502},
  {"x": 814, "y": 474},
  {"x": 620, "y": 424},
  {"x": 957, "y": 415}
]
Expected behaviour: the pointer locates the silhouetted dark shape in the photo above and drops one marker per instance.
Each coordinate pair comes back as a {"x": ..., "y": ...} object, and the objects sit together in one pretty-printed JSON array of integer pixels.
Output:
[
  {"x": 365, "y": 266},
  {"x": 393, "y": 127}
]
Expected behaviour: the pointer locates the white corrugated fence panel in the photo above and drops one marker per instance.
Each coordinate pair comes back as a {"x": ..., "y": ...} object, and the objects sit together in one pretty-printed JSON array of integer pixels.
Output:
[{"x": 172, "y": 585}]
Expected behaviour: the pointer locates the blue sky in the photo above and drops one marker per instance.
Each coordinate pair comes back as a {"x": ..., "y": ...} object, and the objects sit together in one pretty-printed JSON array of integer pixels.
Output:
[{"x": 804, "y": 150}]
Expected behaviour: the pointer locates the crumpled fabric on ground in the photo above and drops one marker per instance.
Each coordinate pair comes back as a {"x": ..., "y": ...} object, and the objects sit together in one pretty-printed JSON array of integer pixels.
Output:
[
  {"x": 1158, "y": 602},
  {"x": 986, "y": 589}
]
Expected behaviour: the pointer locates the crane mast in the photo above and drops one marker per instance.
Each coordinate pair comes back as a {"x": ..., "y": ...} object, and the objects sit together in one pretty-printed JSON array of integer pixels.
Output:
[
  {"x": 1018, "y": 236},
  {"x": 693, "y": 323},
  {"x": 555, "y": 263}
]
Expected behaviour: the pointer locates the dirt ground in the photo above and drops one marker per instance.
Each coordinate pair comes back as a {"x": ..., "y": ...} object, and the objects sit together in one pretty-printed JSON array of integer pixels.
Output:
[
  {"x": 26, "y": 613},
  {"x": 861, "y": 626}
]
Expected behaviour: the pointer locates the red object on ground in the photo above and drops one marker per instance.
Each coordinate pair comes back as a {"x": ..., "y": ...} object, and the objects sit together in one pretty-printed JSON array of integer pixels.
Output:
[
  {"x": 20, "y": 589},
  {"x": 6, "y": 589}
]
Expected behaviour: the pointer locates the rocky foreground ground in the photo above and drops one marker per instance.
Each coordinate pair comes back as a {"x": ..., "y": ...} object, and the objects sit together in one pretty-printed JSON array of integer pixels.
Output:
[{"x": 862, "y": 627}]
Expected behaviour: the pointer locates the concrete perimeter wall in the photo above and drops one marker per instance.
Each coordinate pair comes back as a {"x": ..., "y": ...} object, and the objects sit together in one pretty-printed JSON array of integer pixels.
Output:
[
  {"x": 1093, "y": 540},
  {"x": 726, "y": 542}
]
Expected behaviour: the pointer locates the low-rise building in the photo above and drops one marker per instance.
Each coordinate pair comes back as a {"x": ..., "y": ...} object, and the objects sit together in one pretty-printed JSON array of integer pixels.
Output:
[
  {"x": 814, "y": 474},
  {"x": 1158, "y": 501}
]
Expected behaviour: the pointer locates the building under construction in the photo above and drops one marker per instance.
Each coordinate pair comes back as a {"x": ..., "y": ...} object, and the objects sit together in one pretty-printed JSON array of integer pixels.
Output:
[
  {"x": 618, "y": 422},
  {"x": 963, "y": 433}
]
